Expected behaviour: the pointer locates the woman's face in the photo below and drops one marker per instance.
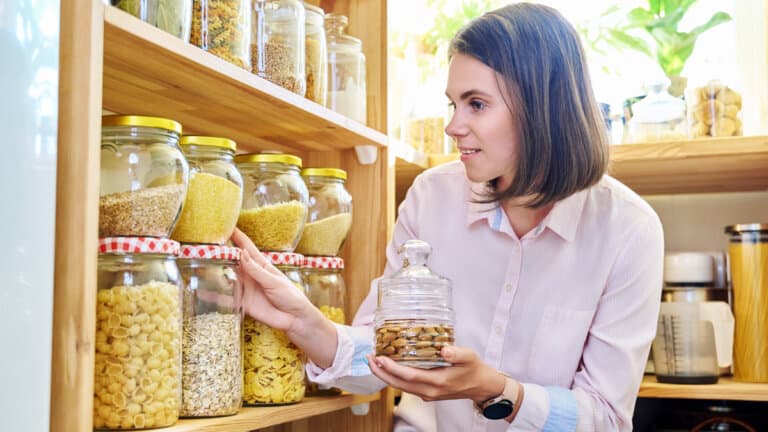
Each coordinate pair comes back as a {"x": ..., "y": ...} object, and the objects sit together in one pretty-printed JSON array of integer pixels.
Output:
[{"x": 486, "y": 133}]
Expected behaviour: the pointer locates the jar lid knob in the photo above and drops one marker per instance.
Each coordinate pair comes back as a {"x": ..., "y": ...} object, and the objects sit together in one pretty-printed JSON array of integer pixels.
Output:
[{"x": 415, "y": 252}]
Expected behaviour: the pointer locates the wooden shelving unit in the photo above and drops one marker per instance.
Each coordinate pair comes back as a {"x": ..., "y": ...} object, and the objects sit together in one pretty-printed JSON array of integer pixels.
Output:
[{"x": 725, "y": 389}]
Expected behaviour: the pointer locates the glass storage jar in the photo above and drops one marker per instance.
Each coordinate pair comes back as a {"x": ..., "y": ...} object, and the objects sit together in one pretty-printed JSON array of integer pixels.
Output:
[
  {"x": 171, "y": 16},
  {"x": 414, "y": 319},
  {"x": 275, "y": 200},
  {"x": 714, "y": 110},
  {"x": 316, "y": 55},
  {"x": 659, "y": 116},
  {"x": 274, "y": 366},
  {"x": 330, "y": 212},
  {"x": 143, "y": 176},
  {"x": 215, "y": 192},
  {"x": 346, "y": 70},
  {"x": 211, "y": 361},
  {"x": 137, "y": 378},
  {"x": 278, "y": 44},
  {"x": 223, "y": 28}
]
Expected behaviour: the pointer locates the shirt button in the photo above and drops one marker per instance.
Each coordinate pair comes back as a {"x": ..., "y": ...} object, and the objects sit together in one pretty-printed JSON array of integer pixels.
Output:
[
  {"x": 497, "y": 329},
  {"x": 508, "y": 287}
]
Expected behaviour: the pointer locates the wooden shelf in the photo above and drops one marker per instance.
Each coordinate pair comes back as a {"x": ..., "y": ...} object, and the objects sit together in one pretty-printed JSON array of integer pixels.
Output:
[
  {"x": 150, "y": 72},
  {"x": 725, "y": 389}
]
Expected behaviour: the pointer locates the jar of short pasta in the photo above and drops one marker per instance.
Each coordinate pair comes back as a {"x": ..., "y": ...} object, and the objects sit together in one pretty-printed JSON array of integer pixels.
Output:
[
  {"x": 215, "y": 192},
  {"x": 330, "y": 212},
  {"x": 223, "y": 28},
  {"x": 277, "y": 43},
  {"x": 137, "y": 366},
  {"x": 273, "y": 365},
  {"x": 143, "y": 176},
  {"x": 316, "y": 55},
  {"x": 275, "y": 200},
  {"x": 211, "y": 361}
]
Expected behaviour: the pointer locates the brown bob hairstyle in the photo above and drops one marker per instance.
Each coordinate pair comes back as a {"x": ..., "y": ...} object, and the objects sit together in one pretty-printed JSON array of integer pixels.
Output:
[{"x": 537, "y": 53}]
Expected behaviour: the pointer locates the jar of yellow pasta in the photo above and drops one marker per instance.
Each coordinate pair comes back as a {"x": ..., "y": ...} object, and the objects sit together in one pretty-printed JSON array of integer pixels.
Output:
[
  {"x": 212, "y": 367},
  {"x": 275, "y": 200},
  {"x": 330, "y": 212},
  {"x": 137, "y": 368},
  {"x": 273, "y": 365},
  {"x": 223, "y": 28}
]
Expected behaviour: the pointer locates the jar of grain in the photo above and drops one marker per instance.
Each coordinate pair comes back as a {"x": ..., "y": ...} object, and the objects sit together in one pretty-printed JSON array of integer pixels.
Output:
[
  {"x": 275, "y": 200},
  {"x": 211, "y": 361},
  {"x": 215, "y": 192},
  {"x": 171, "y": 16},
  {"x": 137, "y": 366},
  {"x": 273, "y": 365},
  {"x": 414, "y": 319},
  {"x": 223, "y": 28},
  {"x": 330, "y": 212},
  {"x": 316, "y": 55},
  {"x": 143, "y": 176},
  {"x": 278, "y": 44},
  {"x": 346, "y": 70}
]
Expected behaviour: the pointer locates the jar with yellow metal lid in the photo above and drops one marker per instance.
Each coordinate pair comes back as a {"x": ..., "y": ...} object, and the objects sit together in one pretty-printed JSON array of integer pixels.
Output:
[{"x": 330, "y": 212}]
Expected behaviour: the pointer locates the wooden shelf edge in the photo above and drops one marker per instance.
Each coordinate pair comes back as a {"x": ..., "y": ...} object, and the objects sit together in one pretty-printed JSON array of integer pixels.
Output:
[
  {"x": 406, "y": 154},
  {"x": 725, "y": 389}
]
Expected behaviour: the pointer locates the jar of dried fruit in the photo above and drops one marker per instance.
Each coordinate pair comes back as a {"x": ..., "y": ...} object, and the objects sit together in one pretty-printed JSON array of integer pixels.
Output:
[
  {"x": 137, "y": 367},
  {"x": 316, "y": 55},
  {"x": 274, "y": 366},
  {"x": 346, "y": 70},
  {"x": 278, "y": 44},
  {"x": 143, "y": 176},
  {"x": 414, "y": 319},
  {"x": 223, "y": 28},
  {"x": 275, "y": 200},
  {"x": 211, "y": 361},
  {"x": 330, "y": 212},
  {"x": 215, "y": 192},
  {"x": 172, "y": 16}
]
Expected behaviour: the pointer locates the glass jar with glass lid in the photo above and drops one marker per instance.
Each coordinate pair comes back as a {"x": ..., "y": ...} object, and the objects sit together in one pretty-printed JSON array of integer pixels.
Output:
[
  {"x": 275, "y": 200},
  {"x": 212, "y": 367},
  {"x": 215, "y": 192},
  {"x": 278, "y": 44},
  {"x": 223, "y": 28},
  {"x": 316, "y": 55},
  {"x": 137, "y": 366},
  {"x": 330, "y": 212},
  {"x": 346, "y": 70},
  {"x": 171, "y": 16},
  {"x": 143, "y": 176}
]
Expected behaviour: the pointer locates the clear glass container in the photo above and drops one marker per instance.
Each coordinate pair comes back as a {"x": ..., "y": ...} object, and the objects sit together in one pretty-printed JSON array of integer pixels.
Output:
[
  {"x": 414, "y": 319},
  {"x": 659, "y": 116},
  {"x": 278, "y": 43},
  {"x": 275, "y": 200},
  {"x": 212, "y": 361},
  {"x": 137, "y": 378},
  {"x": 274, "y": 367},
  {"x": 223, "y": 28},
  {"x": 316, "y": 55},
  {"x": 346, "y": 70},
  {"x": 143, "y": 176},
  {"x": 215, "y": 192},
  {"x": 714, "y": 110},
  {"x": 330, "y": 212},
  {"x": 171, "y": 16}
]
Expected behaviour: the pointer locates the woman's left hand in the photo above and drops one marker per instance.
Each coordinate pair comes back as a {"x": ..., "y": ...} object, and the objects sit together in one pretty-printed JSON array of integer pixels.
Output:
[{"x": 467, "y": 378}]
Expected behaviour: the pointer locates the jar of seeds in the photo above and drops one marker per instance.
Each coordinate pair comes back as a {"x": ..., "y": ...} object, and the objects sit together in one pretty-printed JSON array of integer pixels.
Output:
[
  {"x": 316, "y": 55},
  {"x": 330, "y": 212},
  {"x": 212, "y": 368},
  {"x": 143, "y": 176},
  {"x": 223, "y": 28},
  {"x": 414, "y": 319},
  {"x": 277, "y": 43},
  {"x": 172, "y": 16}
]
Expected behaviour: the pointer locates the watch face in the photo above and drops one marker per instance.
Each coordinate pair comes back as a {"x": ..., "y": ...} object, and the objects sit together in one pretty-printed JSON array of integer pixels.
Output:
[{"x": 499, "y": 410}]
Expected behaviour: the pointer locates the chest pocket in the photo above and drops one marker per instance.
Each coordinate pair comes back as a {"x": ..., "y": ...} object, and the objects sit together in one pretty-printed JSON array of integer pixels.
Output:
[{"x": 557, "y": 347}]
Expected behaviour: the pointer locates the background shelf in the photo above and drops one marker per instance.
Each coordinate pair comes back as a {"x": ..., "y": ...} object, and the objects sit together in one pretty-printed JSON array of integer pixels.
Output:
[{"x": 725, "y": 389}]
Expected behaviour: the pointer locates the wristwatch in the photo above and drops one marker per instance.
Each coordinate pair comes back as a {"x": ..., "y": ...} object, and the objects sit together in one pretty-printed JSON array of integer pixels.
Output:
[{"x": 502, "y": 406}]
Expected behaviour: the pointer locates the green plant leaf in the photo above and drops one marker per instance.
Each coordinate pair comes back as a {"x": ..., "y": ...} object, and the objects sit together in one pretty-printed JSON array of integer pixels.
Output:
[
  {"x": 639, "y": 17},
  {"x": 621, "y": 39},
  {"x": 653, "y": 6},
  {"x": 714, "y": 20}
]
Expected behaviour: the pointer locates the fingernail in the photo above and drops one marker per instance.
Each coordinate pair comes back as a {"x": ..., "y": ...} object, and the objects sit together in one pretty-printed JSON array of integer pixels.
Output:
[{"x": 447, "y": 353}]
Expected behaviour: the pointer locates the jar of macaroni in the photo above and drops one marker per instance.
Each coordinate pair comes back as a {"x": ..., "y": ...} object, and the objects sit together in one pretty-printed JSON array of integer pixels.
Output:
[
  {"x": 330, "y": 212},
  {"x": 278, "y": 44},
  {"x": 316, "y": 55},
  {"x": 223, "y": 28},
  {"x": 275, "y": 200},
  {"x": 273, "y": 365},
  {"x": 215, "y": 192},
  {"x": 137, "y": 366},
  {"x": 211, "y": 361}
]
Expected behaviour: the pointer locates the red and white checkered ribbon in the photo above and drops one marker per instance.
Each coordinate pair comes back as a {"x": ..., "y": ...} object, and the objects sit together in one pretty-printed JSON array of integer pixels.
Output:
[
  {"x": 323, "y": 262},
  {"x": 138, "y": 245},
  {"x": 214, "y": 252},
  {"x": 284, "y": 258}
]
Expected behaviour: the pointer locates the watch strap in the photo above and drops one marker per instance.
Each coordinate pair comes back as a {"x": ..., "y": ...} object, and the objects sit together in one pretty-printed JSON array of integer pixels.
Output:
[{"x": 518, "y": 403}]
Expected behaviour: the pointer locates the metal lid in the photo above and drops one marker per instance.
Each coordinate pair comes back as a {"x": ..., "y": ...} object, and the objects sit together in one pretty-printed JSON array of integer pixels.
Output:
[
  {"x": 324, "y": 172},
  {"x": 209, "y": 141},
  {"x": 689, "y": 267},
  {"x": 212, "y": 252},
  {"x": 750, "y": 227},
  {"x": 269, "y": 158},
  {"x": 128, "y": 245},
  {"x": 284, "y": 258},
  {"x": 323, "y": 262},
  {"x": 141, "y": 121}
]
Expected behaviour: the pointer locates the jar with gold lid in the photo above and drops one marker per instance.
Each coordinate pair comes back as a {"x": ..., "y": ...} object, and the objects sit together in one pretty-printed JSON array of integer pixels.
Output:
[{"x": 330, "y": 212}]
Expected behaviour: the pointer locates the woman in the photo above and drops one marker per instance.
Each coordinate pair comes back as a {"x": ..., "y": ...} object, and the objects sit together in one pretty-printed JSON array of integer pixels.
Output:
[{"x": 556, "y": 268}]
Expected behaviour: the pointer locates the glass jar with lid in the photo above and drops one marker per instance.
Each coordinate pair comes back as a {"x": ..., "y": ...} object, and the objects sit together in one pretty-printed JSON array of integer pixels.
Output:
[
  {"x": 143, "y": 176},
  {"x": 211, "y": 361},
  {"x": 330, "y": 212},
  {"x": 275, "y": 200},
  {"x": 346, "y": 70},
  {"x": 658, "y": 116},
  {"x": 316, "y": 55},
  {"x": 414, "y": 319},
  {"x": 714, "y": 110},
  {"x": 273, "y": 365},
  {"x": 171, "y": 16},
  {"x": 278, "y": 43},
  {"x": 137, "y": 366},
  {"x": 215, "y": 192},
  {"x": 223, "y": 28}
]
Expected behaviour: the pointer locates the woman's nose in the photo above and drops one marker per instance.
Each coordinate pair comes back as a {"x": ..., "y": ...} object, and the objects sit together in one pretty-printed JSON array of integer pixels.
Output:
[{"x": 455, "y": 128}]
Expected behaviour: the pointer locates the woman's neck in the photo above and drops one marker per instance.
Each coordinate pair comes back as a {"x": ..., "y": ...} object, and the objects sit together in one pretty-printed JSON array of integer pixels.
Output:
[{"x": 524, "y": 219}]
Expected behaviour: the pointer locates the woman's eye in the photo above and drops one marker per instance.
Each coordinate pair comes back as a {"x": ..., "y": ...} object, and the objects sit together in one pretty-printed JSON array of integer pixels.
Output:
[{"x": 477, "y": 105}]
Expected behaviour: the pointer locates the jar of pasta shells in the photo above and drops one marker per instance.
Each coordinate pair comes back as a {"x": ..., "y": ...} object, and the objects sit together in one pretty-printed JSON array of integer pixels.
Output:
[
  {"x": 278, "y": 44},
  {"x": 714, "y": 110},
  {"x": 223, "y": 28},
  {"x": 143, "y": 176},
  {"x": 212, "y": 367},
  {"x": 137, "y": 366},
  {"x": 414, "y": 319},
  {"x": 273, "y": 365},
  {"x": 330, "y": 212},
  {"x": 316, "y": 55},
  {"x": 275, "y": 200},
  {"x": 215, "y": 192}
]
